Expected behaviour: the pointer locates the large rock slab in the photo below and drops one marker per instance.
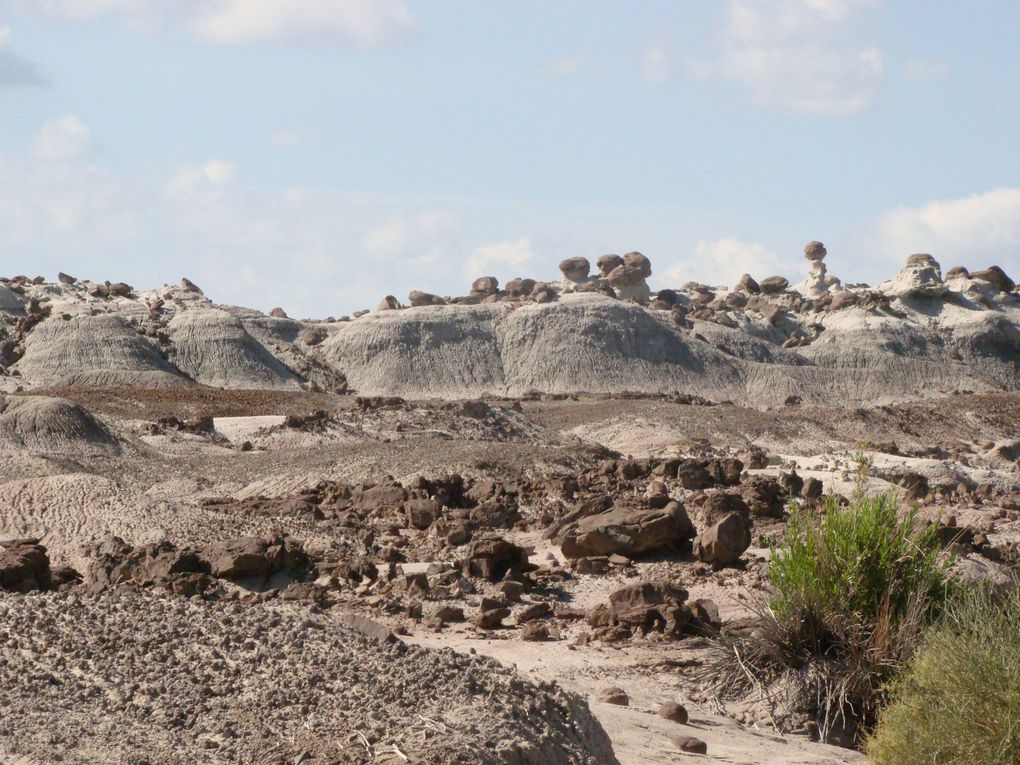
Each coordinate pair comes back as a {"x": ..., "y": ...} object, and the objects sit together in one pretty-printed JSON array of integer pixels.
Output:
[{"x": 627, "y": 531}]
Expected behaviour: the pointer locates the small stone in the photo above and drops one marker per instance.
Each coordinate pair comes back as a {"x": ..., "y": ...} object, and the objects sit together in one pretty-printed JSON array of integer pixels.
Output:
[
  {"x": 670, "y": 710},
  {"x": 690, "y": 744},
  {"x": 614, "y": 695}
]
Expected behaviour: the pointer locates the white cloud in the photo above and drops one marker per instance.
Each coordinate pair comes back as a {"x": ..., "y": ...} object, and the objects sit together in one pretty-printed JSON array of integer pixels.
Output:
[
  {"x": 803, "y": 56},
  {"x": 566, "y": 66},
  {"x": 500, "y": 254},
  {"x": 363, "y": 23},
  {"x": 721, "y": 263},
  {"x": 63, "y": 139},
  {"x": 976, "y": 230},
  {"x": 16, "y": 71}
]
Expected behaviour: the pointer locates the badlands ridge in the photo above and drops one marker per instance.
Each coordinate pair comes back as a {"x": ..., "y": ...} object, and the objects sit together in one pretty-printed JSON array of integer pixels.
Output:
[{"x": 920, "y": 334}]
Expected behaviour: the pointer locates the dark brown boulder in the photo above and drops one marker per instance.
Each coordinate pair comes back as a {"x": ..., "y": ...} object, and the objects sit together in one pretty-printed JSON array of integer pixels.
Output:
[
  {"x": 24, "y": 566},
  {"x": 995, "y": 275},
  {"x": 723, "y": 543},
  {"x": 627, "y": 531},
  {"x": 774, "y": 284},
  {"x": 764, "y": 496},
  {"x": 493, "y": 557}
]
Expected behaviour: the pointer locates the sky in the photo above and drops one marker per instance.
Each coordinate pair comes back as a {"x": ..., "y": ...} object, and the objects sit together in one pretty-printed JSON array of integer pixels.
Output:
[{"x": 320, "y": 154}]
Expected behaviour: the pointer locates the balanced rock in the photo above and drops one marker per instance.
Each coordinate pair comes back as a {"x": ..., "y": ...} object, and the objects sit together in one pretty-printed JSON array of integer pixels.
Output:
[
  {"x": 627, "y": 531},
  {"x": 629, "y": 283},
  {"x": 637, "y": 260},
  {"x": 575, "y": 269},
  {"x": 65, "y": 278},
  {"x": 814, "y": 251}
]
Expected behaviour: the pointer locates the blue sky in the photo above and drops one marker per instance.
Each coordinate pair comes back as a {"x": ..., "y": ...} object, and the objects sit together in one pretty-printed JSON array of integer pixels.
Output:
[{"x": 319, "y": 154}]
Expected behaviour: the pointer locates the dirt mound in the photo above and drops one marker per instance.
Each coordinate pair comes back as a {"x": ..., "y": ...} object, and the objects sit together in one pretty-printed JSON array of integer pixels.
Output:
[
  {"x": 215, "y": 349},
  {"x": 53, "y": 426},
  {"x": 68, "y": 511},
  {"x": 183, "y": 681},
  {"x": 94, "y": 351}
]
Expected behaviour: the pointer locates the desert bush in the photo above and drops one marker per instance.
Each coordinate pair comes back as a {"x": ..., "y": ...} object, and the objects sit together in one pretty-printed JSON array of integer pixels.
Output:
[
  {"x": 853, "y": 590},
  {"x": 958, "y": 701}
]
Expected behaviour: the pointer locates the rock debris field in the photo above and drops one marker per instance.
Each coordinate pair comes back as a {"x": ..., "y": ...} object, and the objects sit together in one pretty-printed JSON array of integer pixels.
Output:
[{"x": 505, "y": 527}]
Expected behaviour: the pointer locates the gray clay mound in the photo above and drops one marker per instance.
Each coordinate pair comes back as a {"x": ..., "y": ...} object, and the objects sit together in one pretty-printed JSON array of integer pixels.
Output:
[
  {"x": 10, "y": 301},
  {"x": 214, "y": 348},
  {"x": 94, "y": 351},
  {"x": 47, "y": 425},
  {"x": 180, "y": 681},
  {"x": 444, "y": 351},
  {"x": 594, "y": 343}
]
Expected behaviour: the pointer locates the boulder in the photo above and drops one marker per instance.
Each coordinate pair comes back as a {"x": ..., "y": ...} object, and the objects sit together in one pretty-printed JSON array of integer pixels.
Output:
[
  {"x": 814, "y": 251},
  {"x": 189, "y": 286},
  {"x": 251, "y": 557},
  {"x": 639, "y": 261},
  {"x": 748, "y": 284},
  {"x": 66, "y": 279},
  {"x": 608, "y": 263},
  {"x": 520, "y": 287},
  {"x": 627, "y": 531},
  {"x": 575, "y": 269},
  {"x": 774, "y": 284},
  {"x": 996, "y": 276},
  {"x": 388, "y": 303},
  {"x": 417, "y": 298},
  {"x": 723, "y": 543},
  {"x": 278, "y": 313},
  {"x": 764, "y": 496},
  {"x": 24, "y": 566},
  {"x": 484, "y": 286},
  {"x": 717, "y": 506},
  {"x": 493, "y": 558}
]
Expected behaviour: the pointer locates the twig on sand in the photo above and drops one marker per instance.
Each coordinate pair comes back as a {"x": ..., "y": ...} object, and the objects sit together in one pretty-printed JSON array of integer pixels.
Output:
[{"x": 766, "y": 699}]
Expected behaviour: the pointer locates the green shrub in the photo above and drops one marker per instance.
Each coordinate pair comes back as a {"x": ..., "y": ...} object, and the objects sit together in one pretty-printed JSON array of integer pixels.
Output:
[
  {"x": 958, "y": 702},
  {"x": 855, "y": 561},
  {"x": 853, "y": 590}
]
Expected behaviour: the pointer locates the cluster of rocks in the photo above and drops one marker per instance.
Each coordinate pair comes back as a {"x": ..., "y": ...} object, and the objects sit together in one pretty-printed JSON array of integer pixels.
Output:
[
  {"x": 652, "y": 608},
  {"x": 785, "y": 307}
]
